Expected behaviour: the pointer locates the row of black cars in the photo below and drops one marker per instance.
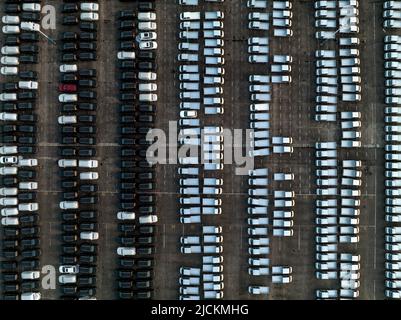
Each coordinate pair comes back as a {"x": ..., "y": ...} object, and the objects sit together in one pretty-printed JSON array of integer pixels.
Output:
[
  {"x": 78, "y": 46},
  {"x": 137, "y": 177},
  {"x": 21, "y": 243}
]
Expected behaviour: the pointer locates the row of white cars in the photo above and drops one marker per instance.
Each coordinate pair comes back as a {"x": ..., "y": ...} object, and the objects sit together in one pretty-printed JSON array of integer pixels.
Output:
[
  {"x": 392, "y": 57},
  {"x": 206, "y": 282},
  {"x": 392, "y": 14}
]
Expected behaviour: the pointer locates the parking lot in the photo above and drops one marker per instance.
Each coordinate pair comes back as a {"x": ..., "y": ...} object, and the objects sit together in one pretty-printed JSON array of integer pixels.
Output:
[{"x": 292, "y": 114}]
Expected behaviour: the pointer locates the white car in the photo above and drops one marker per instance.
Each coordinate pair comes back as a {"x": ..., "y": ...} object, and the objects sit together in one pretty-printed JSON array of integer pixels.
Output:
[
  {"x": 123, "y": 215},
  {"x": 10, "y": 221},
  {"x": 68, "y": 269},
  {"x": 126, "y": 55},
  {"x": 147, "y": 16},
  {"x": 32, "y": 7},
  {"x": 8, "y": 160},
  {"x": 8, "y": 60},
  {"x": 89, "y": 6},
  {"x": 148, "y": 45},
  {"x": 89, "y": 176},
  {"x": 68, "y": 68},
  {"x": 10, "y": 20},
  {"x": 30, "y": 296},
  {"x": 9, "y": 71},
  {"x": 89, "y": 16},
  {"x": 147, "y": 219},
  {"x": 147, "y": 36},
  {"x": 89, "y": 235},
  {"x": 9, "y": 29},
  {"x": 126, "y": 251}
]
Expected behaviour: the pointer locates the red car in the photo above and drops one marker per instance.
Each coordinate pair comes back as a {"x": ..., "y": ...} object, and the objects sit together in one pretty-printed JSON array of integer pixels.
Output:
[{"x": 67, "y": 87}]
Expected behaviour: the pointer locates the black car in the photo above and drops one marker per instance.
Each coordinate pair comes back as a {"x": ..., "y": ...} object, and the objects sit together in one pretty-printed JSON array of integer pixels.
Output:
[
  {"x": 69, "y": 78},
  {"x": 88, "y": 26},
  {"x": 69, "y": 173},
  {"x": 9, "y": 86},
  {"x": 30, "y": 253},
  {"x": 31, "y": 219},
  {"x": 68, "y": 184},
  {"x": 30, "y": 285},
  {"x": 125, "y": 284},
  {"x": 68, "y": 130},
  {"x": 128, "y": 141},
  {"x": 69, "y": 238},
  {"x": 127, "y": 263},
  {"x": 87, "y": 94},
  {"x": 127, "y": 185},
  {"x": 87, "y": 281},
  {"x": 26, "y": 150},
  {"x": 143, "y": 274},
  {"x": 144, "y": 263},
  {"x": 87, "y": 270},
  {"x": 127, "y": 152},
  {"x": 30, "y": 16},
  {"x": 143, "y": 294},
  {"x": 27, "y": 196},
  {"x": 10, "y": 232},
  {"x": 28, "y": 75},
  {"x": 87, "y": 140},
  {"x": 145, "y": 250},
  {"x": 127, "y": 205},
  {"x": 127, "y": 196},
  {"x": 87, "y": 106},
  {"x": 146, "y": 6},
  {"x": 11, "y": 287},
  {"x": 8, "y": 107},
  {"x": 29, "y": 36},
  {"x": 128, "y": 164},
  {"x": 67, "y": 216},
  {"x": 27, "y": 117},
  {"x": 69, "y": 46},
  {"x": 9, "y": 266},
  {"x": 70, "y": 195},
  {"x": 126, "y": 228},
  {"x": 27, "y": 140},
  {"x": 27, "y": 95},
  {"x": 87, "y": 259},
  {"x": 25, "y": 105},
  {"x": 88, "y": 188},
  {"x": 127, "y": 96},
  {"x": 147, "y": 108},
  {"x": 69, "y": 290},
  {"x": 69, "y": 140},
  {"x": 86, "y": 118},
  {"x": 68, "y": 36},
  {"x": 31, "y": 242},
  {"x": 69, "y": 260},
  {"x": 127, "y": 175},
  {"x": 87, "y": 56},
  {"x": 127, "y": 119},
  {"x": 88, "y": 248},
  {"x": 128, "y": 86},
  {"x": 12, "y": 41},
  {"x": 8, "y": 139},
  {"x": 69, "y": 8},
  {"x": 68, "y": 152},
  {"x": 88, "y": 215},
  {"x": 8, "y": 128},
  {"x": 8, "y": 182},
  {"x": 89, "y": 83},
  {"x": 127, "y": 25},
  {"x": 128, "y": 75},
  {"x": 126, "y": 14},
  {"x": 127, "y": 241},
  {"x": 12, "y": 8},
  {"x": 70, "y": 20},
  {"x": 10, "y": 277},
  {"x": 69, "y": 249},
  {"x": 11, "y": 244},
  {"x": 69, "y": 227},
  {"x": 30, "y": 231},
  {"x": 87, "y": 46},
  {"x": 87, "y": 152},
  {"x": 127, "y": 108},
  {"x": 88, "y": 200},
  {"x": 87, "y": 129},
  {"x": 67, "y": 107},
  {"x": 28, "y": 58},
  {"x": 29, "y": 264},
  {"x": 29, "y": 48},
  {"x": 146, "y": 55},
  {"x": 146, "y": 66},
  {"x": 27, "y": 129},
  {"x": 127, "y": 35},
  {"x": 127, "y": 45},
  {"x": 69, "y": 57},
  {"x": 88, "y": 35},
  {"x": 147, "y": 230},
  {"x": 127, "y": 64},
  {"x": 87, "y": 73}
]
